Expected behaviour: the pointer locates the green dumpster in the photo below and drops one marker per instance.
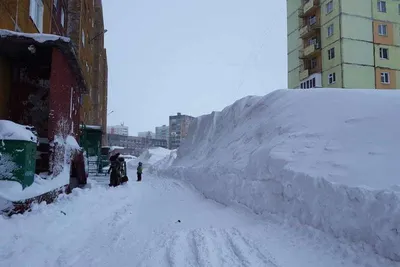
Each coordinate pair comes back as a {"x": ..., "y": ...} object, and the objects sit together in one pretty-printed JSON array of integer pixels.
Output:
[{"x": 18, "y": 161}]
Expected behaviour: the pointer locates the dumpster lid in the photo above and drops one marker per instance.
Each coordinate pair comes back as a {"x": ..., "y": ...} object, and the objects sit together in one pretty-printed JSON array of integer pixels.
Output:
[{"x": 12, "y": 131}]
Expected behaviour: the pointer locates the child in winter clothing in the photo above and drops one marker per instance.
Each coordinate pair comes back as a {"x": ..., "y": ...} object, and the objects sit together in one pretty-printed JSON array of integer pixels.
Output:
[{"x": 139, "y": 172}]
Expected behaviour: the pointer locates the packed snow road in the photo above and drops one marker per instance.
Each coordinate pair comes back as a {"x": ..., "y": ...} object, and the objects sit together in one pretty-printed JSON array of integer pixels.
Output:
[{"x": 163, "y": 222}]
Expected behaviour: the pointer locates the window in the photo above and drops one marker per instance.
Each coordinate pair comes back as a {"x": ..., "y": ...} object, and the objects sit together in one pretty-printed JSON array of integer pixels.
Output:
[
  {"x": 332, "y": 78},
  {"x": 313, "y": 83},
  {"x": 382, "y": 6},
  {"x": 55, "y": 3},
  {"x": 313, "y": 63},
  {"x": 83, "y": 38},
  {"x": 329, "y": 7},
  {"x": 312, "y": 20},
  {"x": 331, "y": 53},
  {"x": 382, "y": 29},
  {"x": 312, "y": 41},
  {"x": 385, "y": 77},
  {"x": 384, "y": 53},
  {"x": 330, "y": 30},
  {"x": 62, "y": 17},
  {"x": 36, "y": 13}
]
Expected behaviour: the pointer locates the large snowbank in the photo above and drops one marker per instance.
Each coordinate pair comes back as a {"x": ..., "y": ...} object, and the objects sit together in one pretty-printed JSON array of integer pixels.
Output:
[
  {"x": 327, "y": 157},
  {"x": 12, "y": 131}
]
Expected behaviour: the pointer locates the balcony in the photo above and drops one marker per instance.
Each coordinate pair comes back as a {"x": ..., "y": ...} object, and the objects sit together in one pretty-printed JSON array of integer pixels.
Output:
[
  {"x": 309, "y": 30},
  {"x": 310, "y": 50},
  {"x": 303, "y": 74},
  {"x": 308, "y": 7}
]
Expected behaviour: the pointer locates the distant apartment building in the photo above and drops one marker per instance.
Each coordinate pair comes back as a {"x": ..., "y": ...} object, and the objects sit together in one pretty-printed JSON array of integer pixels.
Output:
[
  {"x": 118, "y": 129},
  {"x": 147, "y": 134},
  {"x": 162, "y": 132},
  {"x": 178, "y": 129},
  {"x": 343, "y": 44},
  {"x": 135, "y": 145}
]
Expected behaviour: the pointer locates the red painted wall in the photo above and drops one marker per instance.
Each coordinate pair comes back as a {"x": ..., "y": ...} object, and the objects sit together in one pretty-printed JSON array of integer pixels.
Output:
[{"x": 62, "y": 105}]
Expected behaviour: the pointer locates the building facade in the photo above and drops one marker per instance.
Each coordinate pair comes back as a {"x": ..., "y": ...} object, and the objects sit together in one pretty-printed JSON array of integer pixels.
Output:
[
  {"x": 148, "y": 134},
  {"x": 86, "y": 29},
  {"x": 135, "y": 145},
  {"x": 30, "y": 16},
  {"x": 178, "y": 129},
  {"x": 162, "y": 132},
  {"x": 343, "y": 44},
  {"x": 59, "y": 21},
  {"x": 118, "y": 130}
]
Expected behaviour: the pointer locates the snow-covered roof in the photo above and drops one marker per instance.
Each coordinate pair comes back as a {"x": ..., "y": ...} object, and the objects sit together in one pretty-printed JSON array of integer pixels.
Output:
[
  {"x": 37, "y": 37},
  {"x": 12, "y": 131}
]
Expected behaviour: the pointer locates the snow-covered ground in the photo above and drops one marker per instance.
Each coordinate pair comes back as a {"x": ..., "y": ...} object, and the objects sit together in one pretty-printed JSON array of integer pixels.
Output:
[
  {"x": 327, "y": 158},
  {"x": 164, "y": 222}
]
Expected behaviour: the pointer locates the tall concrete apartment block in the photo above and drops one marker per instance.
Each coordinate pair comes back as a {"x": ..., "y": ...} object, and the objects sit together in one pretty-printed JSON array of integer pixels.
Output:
[
  {"x": 178, "y": 129},
  {"x": 343, "y": 43},
  {"x": 162, "y": 132}
]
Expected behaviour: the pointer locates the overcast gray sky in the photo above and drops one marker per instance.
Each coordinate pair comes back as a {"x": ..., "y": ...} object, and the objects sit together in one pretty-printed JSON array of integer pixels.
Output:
[{"x": 190, "y": 56}]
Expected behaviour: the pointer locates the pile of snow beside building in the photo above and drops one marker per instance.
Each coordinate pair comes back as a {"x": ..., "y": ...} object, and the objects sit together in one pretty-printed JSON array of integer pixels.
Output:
[
  {"x": 150, "y": 156},
  {"x": 12, "y": 190},
  {"x": 327, "y": 157},
  {"x": 12, "y": 131}
]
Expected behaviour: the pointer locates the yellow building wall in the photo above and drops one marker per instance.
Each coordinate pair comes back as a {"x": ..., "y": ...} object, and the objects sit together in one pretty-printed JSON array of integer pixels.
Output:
[{"x": 8, "y": 16}]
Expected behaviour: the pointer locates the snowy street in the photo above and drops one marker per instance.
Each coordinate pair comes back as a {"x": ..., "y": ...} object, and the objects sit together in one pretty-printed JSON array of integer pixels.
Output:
[{"x": 137, "y": 225}]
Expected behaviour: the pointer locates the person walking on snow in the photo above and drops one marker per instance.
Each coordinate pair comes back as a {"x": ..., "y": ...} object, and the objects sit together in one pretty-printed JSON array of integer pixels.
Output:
[{"x": 139, "y": 172}]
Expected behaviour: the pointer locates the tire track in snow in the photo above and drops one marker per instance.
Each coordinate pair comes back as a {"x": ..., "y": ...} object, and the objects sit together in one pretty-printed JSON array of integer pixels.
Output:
[{"x": 207, "y": 247}]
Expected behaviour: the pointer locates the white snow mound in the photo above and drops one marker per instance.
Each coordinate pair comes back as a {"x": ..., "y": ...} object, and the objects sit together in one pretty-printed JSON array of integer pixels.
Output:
[
  {"x": 327, "y": 157},
  {"x": 12, "y": 131},
  {"x": 164, "y": 162},
  {"x": 150, "y": 156}
]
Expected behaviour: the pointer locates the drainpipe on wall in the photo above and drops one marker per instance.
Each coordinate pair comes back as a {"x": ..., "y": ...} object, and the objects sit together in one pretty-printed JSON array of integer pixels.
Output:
[
  {"x": 341, "y": 41},
  {"x": 373, "y": 45},
  {"x": 16, "y": 18}
]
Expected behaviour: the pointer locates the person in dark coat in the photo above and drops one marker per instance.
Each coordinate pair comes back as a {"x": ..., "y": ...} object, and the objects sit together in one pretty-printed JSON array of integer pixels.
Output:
[
  {"x": 114, "y": 169},
  {"x": 139, "y": 172}
]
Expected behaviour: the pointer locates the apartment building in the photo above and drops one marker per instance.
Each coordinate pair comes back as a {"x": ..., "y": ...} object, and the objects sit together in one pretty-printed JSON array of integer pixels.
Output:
[
  {"x": 86, "y": 29},
  {"x": 134, "y": 145},
  {"x": 343, "y": 44},
  {"x": 178, "y": 129},
  {"x": 118, "y": 130},
  {"x": 147, "y": 134},
  {"x": 162, "y": 132}
]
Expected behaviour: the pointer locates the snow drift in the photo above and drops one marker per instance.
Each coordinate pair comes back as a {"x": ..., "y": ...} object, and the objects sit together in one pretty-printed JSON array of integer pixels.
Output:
[
  {"x": 327, "y": 157},
  {"x": 150, "y": 156},
  {"x": 165, "y": 161}
]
